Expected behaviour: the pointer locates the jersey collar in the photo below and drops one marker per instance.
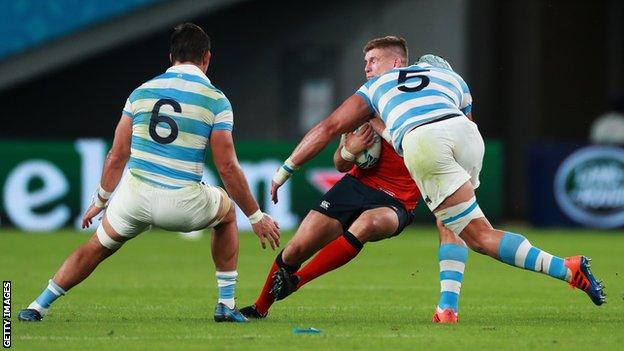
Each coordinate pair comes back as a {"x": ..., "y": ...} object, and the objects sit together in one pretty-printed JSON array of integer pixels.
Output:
[{"x": 188, "y": 69}]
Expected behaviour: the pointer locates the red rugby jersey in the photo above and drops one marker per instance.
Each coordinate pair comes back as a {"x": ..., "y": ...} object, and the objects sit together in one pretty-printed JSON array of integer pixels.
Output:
[{"x": 390, "y": 176}]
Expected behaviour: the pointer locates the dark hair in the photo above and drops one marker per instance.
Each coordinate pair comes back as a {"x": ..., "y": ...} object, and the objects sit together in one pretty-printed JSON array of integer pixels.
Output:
[
  {"x": 398, "y": 45},
  {"x": 189, "y": 43}
]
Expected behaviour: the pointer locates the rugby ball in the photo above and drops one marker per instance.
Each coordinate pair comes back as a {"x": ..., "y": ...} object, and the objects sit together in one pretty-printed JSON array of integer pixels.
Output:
[{"x": 369, "y": 157}]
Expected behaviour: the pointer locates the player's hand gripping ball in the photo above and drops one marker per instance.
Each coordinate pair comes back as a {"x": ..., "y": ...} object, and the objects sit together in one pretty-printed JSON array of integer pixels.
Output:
[{"x": 369, "y": 157}]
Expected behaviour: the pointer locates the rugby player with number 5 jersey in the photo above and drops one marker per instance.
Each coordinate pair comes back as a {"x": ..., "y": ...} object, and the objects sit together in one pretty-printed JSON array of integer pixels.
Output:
[
  {"x": 424, "y": 107},
  {"x": 368, "y": 204}
]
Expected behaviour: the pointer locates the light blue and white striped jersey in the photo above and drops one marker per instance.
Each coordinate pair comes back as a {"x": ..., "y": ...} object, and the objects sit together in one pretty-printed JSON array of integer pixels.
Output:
[
  {"x": 410, "y": 96},
  {"x": 173, "y": 116}
]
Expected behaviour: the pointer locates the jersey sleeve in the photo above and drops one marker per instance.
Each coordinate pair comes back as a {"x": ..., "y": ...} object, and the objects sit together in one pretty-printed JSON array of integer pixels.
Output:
[
  {"x": 466, "y": 103},
  {"x": 224, "y": 117},
  {"x": 363, "y": 92},
  {"x": 127, "y": 110}
]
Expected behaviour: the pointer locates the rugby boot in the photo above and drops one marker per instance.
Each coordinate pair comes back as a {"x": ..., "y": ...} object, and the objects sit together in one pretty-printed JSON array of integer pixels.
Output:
[
  {"x": 445, "y": 316},
  {"x": 251, "y": 312},
  {"x": 30, "y": 315},
  {"x": 284, "y": 284},
  {"x": 225, "y": 314},
  {"x": 582, "y": 278}
]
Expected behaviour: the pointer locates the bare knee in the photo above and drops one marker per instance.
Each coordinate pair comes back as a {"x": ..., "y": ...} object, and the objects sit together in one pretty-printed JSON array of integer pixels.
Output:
[
  {"x": 231, "y": 215},
  {"x": 94, "y": 248},
  {"x": 228, "y": 219},
  {"x": 476, "y": 245},
  {"x": 298, "y": 249},
  {"x": 481, "y": 237},
  {"x": 106, "y": 239},
  {"x": 316, "y": 231},
  {"x": 371, "y": 228},
  {"x": 301, "y": 247},
  {"x": 475, "y": 240}
]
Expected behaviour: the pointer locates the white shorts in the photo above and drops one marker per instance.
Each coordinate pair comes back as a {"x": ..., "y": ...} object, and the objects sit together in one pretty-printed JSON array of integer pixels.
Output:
[
  {"x": 442, "y": 156},
  {"x": 136, "y": 205}
]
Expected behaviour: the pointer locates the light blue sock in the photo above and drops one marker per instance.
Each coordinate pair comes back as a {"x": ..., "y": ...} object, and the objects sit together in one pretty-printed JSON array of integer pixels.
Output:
[
  {"x": 47, "y": 297},
  {"x": 452, "y": 260},
  {"x": 226, "y": 281},
  {"x": 516, "y": 250}
]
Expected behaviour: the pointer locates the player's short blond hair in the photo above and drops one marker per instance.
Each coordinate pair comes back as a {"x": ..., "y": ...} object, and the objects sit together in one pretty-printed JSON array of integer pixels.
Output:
[{"x": 396, "y": 44}]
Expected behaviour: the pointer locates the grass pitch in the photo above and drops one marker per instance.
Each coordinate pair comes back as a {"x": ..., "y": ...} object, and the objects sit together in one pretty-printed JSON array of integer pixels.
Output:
[{"x": 159, "y": 292}]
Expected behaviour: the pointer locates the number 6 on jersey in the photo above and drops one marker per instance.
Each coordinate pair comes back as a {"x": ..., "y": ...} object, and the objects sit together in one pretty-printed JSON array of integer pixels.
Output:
[{"x": 157, "y": 118}]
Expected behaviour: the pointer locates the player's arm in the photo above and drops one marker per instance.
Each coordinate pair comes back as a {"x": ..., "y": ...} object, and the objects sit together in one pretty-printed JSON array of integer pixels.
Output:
[
  {"x": 351, "y": 144},
  {"x": 466, "y": 100},
  {"x": 346, "y": 162},
  {"x": 380, "y": 128},
  {"x": 235, "y": 182},
  {"x": 114, "y": 165},
  {"x": 352, "y": 113},
  {"x": 118, "y": 155},
  {"x": 226, "y": 162}
]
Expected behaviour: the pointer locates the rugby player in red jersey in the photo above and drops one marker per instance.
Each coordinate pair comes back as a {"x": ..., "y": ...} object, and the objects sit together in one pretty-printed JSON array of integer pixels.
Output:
[{"x": 365, "y": 205}]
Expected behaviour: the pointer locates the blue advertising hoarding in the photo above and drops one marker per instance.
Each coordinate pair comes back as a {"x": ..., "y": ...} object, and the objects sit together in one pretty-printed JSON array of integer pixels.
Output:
[{"x": 576, "y": 185}]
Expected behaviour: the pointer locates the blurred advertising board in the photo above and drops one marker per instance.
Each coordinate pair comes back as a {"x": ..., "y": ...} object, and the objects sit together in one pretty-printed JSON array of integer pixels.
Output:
[
  {"x": 572, "y": 185},
  {"x": 47, "y": 185}
]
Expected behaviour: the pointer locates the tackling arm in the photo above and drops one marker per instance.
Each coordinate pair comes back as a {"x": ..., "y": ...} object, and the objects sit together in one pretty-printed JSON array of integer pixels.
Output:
[
  {"x": 353, "y": 112},
  {"x": 380, "y": 127}
]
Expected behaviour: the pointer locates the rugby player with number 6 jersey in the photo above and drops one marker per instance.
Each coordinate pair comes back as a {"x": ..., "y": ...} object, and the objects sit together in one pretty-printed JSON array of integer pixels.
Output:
[
  {"x": 162, "y": 136},
  {"x": 424, "y": 108},
  {"x": 365, "y": 205}
]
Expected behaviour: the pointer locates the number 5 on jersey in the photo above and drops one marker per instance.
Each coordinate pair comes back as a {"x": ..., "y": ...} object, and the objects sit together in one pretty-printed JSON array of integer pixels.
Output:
[
  {"x": 404, "y": 75},
  {"x": 157, "y": 118}
]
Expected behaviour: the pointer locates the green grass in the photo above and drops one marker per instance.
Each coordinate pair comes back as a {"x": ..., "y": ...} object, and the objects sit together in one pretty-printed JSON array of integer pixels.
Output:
[{"x": 158, "y": 293}]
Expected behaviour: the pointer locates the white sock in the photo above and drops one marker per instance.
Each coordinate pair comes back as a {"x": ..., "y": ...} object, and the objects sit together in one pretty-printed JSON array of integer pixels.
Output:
[{"x": 226, "y": 281}]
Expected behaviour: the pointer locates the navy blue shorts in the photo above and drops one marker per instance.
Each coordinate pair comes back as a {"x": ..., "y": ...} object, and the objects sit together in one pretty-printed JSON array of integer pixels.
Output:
[{"x": 348, "y": 198}]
